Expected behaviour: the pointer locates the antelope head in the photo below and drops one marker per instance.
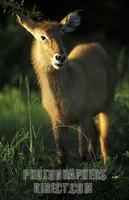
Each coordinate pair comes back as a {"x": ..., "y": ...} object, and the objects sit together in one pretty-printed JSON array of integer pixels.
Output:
[{"x": 49, "y": 36}]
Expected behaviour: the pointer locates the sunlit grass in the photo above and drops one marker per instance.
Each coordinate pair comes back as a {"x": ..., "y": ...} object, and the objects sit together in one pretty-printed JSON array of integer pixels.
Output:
[
  {"x": 28, "y": 141},
  {"x": 14, "y": 112}
]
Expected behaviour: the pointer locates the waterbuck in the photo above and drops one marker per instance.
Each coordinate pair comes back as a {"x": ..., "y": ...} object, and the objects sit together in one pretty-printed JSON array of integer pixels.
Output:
[{"x": 75, "y": 86}]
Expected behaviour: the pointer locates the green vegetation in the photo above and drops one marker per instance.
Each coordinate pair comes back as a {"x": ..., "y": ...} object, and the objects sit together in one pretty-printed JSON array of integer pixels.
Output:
[
  {"x": 27, "y": 142},
  {"x": 14, "y": 114}
]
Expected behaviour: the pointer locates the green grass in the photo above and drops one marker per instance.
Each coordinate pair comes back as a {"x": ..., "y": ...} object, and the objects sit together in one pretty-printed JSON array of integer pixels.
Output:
[
  {"x": 27, "y": 142},
  {"x": 14, "y": 112}
]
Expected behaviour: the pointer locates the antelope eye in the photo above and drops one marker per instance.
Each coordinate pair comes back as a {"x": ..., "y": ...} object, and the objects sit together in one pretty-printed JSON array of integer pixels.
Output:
[{"x": 43, "y": 38}]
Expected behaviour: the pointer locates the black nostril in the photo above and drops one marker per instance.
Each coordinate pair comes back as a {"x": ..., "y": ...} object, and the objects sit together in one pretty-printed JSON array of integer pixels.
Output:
[{"x": 60, "y": 58}]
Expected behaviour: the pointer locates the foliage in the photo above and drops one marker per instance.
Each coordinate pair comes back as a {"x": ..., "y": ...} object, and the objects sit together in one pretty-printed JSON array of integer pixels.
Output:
[
  {"x": 120, "y": 127},
  {"x": 14, "y": 112},
  {"x": 33, "y": 147},
  {"x": 12, "y": 6}
]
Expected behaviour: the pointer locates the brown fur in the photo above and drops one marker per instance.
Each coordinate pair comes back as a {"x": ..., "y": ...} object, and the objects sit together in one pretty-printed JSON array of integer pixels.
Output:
[{"x": 82, "y": 89}]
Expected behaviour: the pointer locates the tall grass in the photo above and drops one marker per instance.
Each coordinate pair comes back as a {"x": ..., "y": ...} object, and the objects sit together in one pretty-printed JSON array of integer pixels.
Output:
[
  {"x": 15, "y": 108},
  {"x": 27, "y": 141}
]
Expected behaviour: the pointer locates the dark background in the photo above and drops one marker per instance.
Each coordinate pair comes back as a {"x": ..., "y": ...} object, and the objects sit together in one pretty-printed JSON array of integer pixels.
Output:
[
  {"x": 106, "y": 22},
  {"x": 108, "y": 16}
]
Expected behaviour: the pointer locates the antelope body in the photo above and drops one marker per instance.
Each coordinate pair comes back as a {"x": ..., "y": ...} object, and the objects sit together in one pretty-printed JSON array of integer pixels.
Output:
[{"x": 75, "y": 87}]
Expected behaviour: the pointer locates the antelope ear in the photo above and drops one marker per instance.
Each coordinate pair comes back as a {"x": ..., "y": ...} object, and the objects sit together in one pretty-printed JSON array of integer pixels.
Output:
[
  {"x": 27, "y": 23},
  {"x": 70, "y": 22}
]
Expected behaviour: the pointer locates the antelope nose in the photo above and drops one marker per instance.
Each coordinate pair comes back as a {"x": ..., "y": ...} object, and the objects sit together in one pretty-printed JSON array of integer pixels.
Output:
[{"x": 60, "y": 57}]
